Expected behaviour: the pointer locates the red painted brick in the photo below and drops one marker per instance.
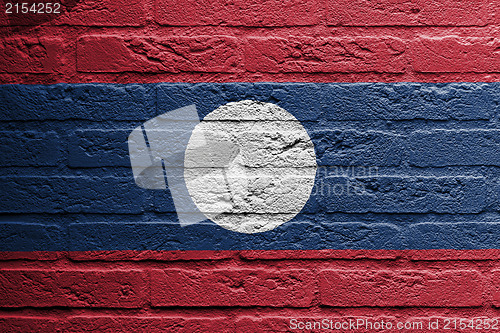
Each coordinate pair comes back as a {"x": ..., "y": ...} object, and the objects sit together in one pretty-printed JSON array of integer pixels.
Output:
[
  {"x": 30, "y": 18},
  {"x": 496, "y": 12},
  {"x": 153, "y": 55},
  {"x": 30, "y": 324},
  {"x": 47, "y": 288},
  {"x": 75, "y": 13},
  {"x": 232, "y": 287},
  {"x": 237, "y": 13},
  {"x": 462, "y": 323},
  {"x": 445, "y": 255},
  {"x": 263, "y": 324},
  {"x": 31, "y": 55},
  {"x": 85, "y": 13},
  {"x": 495, "y": 280},
  {"x": 32, "y": 255},
  {"x": 318, "y": 254},
  {"x": 105, "y": 13},
  {"x": 452, "y": 288},
  {"x": 314, "y": 323},
  {"x": 118, "y": 324},
  {"x": 409, "y": 13},
  {"x": 130, "y": 255},
  {"x": 455, "y": 54},
  {"x": 331, "y": 54}
]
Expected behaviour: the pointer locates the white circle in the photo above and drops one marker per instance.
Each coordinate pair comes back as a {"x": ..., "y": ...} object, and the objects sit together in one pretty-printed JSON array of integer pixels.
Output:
[{"x": 250, "y": 166}]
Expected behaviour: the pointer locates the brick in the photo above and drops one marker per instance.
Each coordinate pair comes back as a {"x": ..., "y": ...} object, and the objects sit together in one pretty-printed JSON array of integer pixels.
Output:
[
  {"x": 266, "y": 324},
  {"x": 170, "y": 236},
  {"x": 406, "y": 101},
  {"x": 232, "y": 287},
  {"x": 306, "y": 101},
  {"x": 31, "y": 55},
  {"x": 115, "y": 54},
  {"x": 450, "y": 288},
  {"x": 453, "y": 54},
  {"x": 312, "y": 323},
  {"x": 105, "y": 13},
  {"x": 455, "y": 147},
  {"x": 237, "y": 13},
  {"x": 356, "y": 235},
  {"x": 71, "y": 195},
  {"x": 457, "y": 324},
  {"x": 354, "y": 148},
  {"x": 129, "y": 255},
  {"x": 123, "y": 324},
  {"x": 459, "y": 235},
  {"x": 95, "y": 102},
  {"x": 31, "y": 237},
  {"x": 30, "y": 18},
  {"x": 20, "y": 324},
  {"x": 396, "y": 194},
  {"x": 328, "y": 54},
  {"x": 453, "y": 254},
  {"x": 99, "y": 148},
  {"x": 319, "y": 254},
  {"x": 32, "y": 255},
  {"x": 496, "y": 12},
  {"x": 32, "y": 148},
  {"x": 81, "y": 13},
  {"x": 495, "y": 280},
  {"x": 409, "y": 13},
  {"x": 94, "y": 236},
  {"x": 68, "y": 288}
]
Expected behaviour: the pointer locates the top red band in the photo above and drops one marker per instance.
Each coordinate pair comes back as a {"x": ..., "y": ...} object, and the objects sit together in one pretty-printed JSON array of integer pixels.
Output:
[{"x": 250, "y": 41}]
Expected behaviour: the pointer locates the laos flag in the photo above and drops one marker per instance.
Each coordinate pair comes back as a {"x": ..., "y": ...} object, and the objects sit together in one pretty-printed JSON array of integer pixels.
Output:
[{"x": 249, "y": 166}]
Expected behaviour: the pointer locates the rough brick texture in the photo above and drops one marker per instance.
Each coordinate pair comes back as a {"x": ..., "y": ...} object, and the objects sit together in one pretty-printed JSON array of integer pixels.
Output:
[
  {"x": 47, "y": 288},
  {"x": 411, "y": 13},
  {"x": 237, "y": 41},
  {"x": 403, "y": 222},
  {"x": 273, "y": 13},
  {"x": 324, "y": 55},
  {"x": 153, "y": 55},
  {"x": 290, "y": 288},
  {"x": 405, "y": 165},
  {"x": 451, "y": 147},
  {"x": 30, "y": 148},
  {"x": 405, "y": 288},
  {"x": 456, "y": 54},
  {"x": 260, "y": 295},
  {"x": 31, "y": 55}
]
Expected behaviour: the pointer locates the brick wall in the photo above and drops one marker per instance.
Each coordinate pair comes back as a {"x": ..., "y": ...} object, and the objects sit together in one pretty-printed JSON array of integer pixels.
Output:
[
  {"x": 279, "y": 41},
  {"x": 436, "y": 147}
]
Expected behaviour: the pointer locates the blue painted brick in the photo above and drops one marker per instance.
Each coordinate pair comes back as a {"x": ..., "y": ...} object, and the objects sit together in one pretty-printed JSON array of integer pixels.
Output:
[
  {"x": 98, "y": 148},
  {"x": 350, "y": 147},
  {"x": 31, "y": 148},
  {"x": 460, "y": 236},
  {"x": 102, "y": 107},
  {"x": 95, "y": 102},
  {"x": 203, "y": 236},
  {"x": 160, "y": 201},
  {"x": 406, "y": 101},
  {"x": 335, "y": 101},
  {"x": 301, "y": 100},
  {"x": 394, "y": 194},
  {"x": 71, "y": 195},
  {"x": 455, "y": 147},
  {"x": 31, "y": 237}
]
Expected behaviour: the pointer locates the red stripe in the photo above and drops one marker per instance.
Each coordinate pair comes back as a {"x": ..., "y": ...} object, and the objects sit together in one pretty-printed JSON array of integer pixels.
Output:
[
  {"x": 237, "y": 291},
  {"x": 278, "y": 41}
]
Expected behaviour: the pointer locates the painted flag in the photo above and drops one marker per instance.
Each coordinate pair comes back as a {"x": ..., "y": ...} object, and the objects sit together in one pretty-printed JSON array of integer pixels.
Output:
[{"x": 260, "y": 166}]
